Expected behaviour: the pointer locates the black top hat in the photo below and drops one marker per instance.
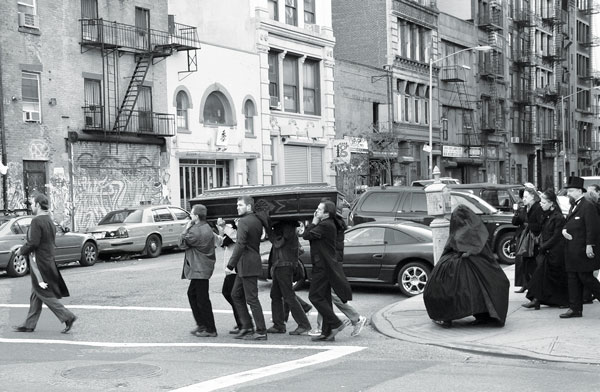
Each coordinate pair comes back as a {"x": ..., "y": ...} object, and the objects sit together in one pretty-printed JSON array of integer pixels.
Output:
[{"x": 575, "y": 182}]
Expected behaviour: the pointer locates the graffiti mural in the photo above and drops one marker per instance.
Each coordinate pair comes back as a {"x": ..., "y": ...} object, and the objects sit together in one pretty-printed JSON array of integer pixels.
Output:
[
  {"x": 105, "y": 180},
  {"x": 14, "y": 186},
  {"x": 58, "y": 192}
]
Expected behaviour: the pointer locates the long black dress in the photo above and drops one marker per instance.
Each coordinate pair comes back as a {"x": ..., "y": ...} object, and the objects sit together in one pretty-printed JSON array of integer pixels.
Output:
[
  {"x": 467, "y": 280},
  {"x": 527, "y": 219},
  {"x": 549, "y": 282}
]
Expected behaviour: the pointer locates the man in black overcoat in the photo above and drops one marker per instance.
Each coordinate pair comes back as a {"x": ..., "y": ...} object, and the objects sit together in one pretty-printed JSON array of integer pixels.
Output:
[
  {"x": 246, "y": 261},
  {"x": 581, "y": 251},
  {"x": 327, "y": 272},
  {"x": 47, "y": 284}
]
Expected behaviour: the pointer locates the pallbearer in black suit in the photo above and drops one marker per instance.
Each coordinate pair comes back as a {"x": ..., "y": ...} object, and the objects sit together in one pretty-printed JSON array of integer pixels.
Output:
[{"x": 581, "y": 251}]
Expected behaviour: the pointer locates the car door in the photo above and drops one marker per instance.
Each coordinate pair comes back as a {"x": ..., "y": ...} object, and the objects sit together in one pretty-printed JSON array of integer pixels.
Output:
[
  {"x": 364, "y": 249},
  {"x": 397, "y": 245},
  {"x": 68, "y": 247},
  {"x": 182, "y": 217},
  {"x": 165, "y": 224},
  {"x": 414, "y": 208},
  {"x": 15, "y": 238}
]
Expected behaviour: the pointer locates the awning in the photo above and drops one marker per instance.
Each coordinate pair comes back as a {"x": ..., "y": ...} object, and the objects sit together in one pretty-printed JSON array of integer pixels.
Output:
[
  {"x": 217, "y": 155},
  {"x": 468, "y": 161}
]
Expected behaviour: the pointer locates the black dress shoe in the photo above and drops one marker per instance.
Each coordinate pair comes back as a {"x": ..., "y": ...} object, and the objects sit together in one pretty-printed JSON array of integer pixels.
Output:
[
  {"x": 521, "y": 290},
  {"x": 571, "y": 313},
  {"x": 69, "y": 324},
  {"x": 324, "y": 338},
  {"x": 22, "y": 328},
  {"x": 533, "y": 304},
  {"x": 243, "y": 332}
]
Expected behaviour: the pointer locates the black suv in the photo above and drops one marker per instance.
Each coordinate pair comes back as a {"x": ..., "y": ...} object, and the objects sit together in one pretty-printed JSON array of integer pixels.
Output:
[
  {"x": 410, "y": 203},
  {"x": 501, "y": 196}
]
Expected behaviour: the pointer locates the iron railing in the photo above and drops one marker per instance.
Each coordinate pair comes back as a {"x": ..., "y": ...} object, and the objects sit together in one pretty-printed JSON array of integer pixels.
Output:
[{"x": 142, "y": 122}]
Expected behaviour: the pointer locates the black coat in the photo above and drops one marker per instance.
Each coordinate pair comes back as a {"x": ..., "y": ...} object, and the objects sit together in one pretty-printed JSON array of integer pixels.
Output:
[
  {"x": 40, "y": 244},
  {"x": 582, "y": 223},
  {"x": 245, "y": 258},
  {"x": 323, "y": 251},
  {"x": 552, "y": 242},
  {"x": 532, "y": 218}
]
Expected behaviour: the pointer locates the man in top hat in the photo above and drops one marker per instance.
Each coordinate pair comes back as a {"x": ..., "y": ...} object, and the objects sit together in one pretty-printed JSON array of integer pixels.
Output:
[{"x": 581, "y": 253}]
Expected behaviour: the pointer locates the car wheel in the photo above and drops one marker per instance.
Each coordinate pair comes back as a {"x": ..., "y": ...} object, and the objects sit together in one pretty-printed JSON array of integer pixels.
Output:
[
  {"x": 505, "y": 248},
  {"x": 17, "y": 266},
  {"x": 153, "y": 246},
  {"x": 413, "y": 277},
  {"x": 89, "y": 254}
]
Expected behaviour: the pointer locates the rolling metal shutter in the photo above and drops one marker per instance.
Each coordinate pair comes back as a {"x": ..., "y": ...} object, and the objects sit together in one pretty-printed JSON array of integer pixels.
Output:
[{"x": 296, "y": 164}]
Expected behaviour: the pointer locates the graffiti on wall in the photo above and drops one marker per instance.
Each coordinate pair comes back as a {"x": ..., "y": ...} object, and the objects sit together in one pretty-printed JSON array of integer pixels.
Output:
[
  {"x": 14, "y": 186},
  {"x": 105, "y": 180},
  {"x": 58, "y": 192}
]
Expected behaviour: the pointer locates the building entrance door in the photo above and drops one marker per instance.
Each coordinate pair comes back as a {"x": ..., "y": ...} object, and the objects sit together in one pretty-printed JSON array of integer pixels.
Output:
[
  {"x": 34, "y": 178},
  {"x": 196, "y": 176}
]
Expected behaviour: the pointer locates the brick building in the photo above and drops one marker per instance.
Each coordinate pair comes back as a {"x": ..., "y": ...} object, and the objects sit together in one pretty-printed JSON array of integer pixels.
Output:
[{"x": 84, "y": 115}]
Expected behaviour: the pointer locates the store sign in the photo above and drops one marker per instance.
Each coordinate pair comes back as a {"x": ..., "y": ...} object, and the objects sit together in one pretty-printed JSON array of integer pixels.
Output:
[
  {"x": 341, "y": 151},
  {"x": 474, "y": 152},
  {"x": 357, "y": 144},
  {"x": 452, "y": 151}
]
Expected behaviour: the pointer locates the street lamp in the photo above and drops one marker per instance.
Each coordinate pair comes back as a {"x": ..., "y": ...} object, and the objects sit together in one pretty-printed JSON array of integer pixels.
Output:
[
  {"x": 484, "y": 48},
  {"x": 562, "y": 117}
]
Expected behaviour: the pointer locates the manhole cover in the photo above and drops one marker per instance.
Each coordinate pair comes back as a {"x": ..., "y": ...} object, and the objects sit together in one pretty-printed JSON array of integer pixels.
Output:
[{"x": 112, "y": 370}]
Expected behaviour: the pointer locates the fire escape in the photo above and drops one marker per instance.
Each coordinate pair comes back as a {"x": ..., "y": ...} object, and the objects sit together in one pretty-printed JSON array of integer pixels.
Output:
[
  {"x": 117, "y": 115},
  {"x": 523, "y": 97},
  {"x": 492, "y": 70},
  {"x": 456, "y": 74}
]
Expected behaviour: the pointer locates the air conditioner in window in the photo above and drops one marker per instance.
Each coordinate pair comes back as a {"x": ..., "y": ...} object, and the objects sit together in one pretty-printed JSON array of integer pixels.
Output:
[
  {"x": 28, "y": 20},
  {"x": 31, "y": 116},
  {"x": 515, "y": 139},
  {"x": 274, "y": 103}
]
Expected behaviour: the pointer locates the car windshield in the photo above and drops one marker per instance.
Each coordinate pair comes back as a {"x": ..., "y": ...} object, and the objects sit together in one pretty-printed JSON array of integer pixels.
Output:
[
  {"x": 122, "y": 216},
  {"x": 3, "y": 225}
]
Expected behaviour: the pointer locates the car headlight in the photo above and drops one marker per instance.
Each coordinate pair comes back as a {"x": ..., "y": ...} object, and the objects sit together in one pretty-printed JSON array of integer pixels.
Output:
[{"x": 121, "y": 232}]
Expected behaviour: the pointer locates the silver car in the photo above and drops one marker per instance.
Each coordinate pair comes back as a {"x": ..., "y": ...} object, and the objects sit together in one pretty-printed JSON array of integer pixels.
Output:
[
  {"x": 144, "y": 229},
  {"x": 70, "y": 247}
]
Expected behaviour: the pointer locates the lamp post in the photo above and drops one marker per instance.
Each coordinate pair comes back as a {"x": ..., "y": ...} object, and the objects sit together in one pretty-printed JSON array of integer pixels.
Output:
[
  {"x": 485, "y": 48},
  {"x": 562, "y": 123}
]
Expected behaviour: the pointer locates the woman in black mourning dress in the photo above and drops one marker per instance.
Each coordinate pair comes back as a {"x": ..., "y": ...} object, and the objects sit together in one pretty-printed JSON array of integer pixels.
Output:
[
  {"x": 548, "y": 286},
  {"x": 467, "y": 280}
]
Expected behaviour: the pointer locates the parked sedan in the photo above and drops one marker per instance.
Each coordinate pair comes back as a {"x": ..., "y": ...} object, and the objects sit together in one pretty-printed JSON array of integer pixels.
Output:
[
  {"x": 145, "y": 229},
  {"x": 393, "y": 253},
  {"x": 70, "y": 247}
]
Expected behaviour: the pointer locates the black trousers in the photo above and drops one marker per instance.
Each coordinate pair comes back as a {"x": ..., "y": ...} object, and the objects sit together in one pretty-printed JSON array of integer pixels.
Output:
[
  {"x": 35, "y": 309},
  {"x": 200, "y": 304},
  {"x": 282, "y": 291},
  {"x": 226, "y": 291},
  {"x": 244, "y": 294},
  {"x": 320, "y": 296},
  {"x": 577, "y": 281}
]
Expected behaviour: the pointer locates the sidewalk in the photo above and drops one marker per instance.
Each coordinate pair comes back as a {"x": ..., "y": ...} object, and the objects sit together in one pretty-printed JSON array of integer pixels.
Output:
[{"x": 528, "y": 333}]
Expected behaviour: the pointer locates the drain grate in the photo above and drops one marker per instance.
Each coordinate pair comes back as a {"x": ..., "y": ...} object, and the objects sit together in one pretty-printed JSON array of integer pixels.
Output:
[{"x": 112, "y": 371}]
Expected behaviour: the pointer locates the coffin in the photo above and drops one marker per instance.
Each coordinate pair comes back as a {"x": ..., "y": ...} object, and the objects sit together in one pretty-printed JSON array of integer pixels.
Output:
[{"x": 292, "y": 201}]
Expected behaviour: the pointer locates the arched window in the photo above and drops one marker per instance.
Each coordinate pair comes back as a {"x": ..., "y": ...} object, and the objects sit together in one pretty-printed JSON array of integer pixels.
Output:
[
  {"x": 249, "y": 113},
  {"x": 182, "y": 110},
  {"x": 216, "y": 109}
]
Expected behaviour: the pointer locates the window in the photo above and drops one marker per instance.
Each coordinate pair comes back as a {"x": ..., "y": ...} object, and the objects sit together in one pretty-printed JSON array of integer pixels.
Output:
[
  {"x": 214, "y": 109},
  {"x": 366, "y": 236},
  {"x": 418, "y": 203},
  {"x": 26, "y": 7},
  {"x": 309, "y": 11},
  {"x": 182, "y": 110},
  {"x": 274, "y": 75},
  {"x": 291, "y": 12},
  {"x": 311, "y": 89},
  {"x": 249, "y": 113},
  {"x": 290, "y": 84},
  {"x": 426, "y": 112},
  {"x": 179, "y": 213},
  {"x": 380, "y": 202},
  {"x": 162, "y": 215},
  {"x": 273, "y": 10},
  {"x": 397, "y": 237},
  {"x": 416, "y": 110},
  {"x": 406, "y": 106},
  {"x": 30, "y": 93},
  {"x": 92, "y": 103},
  {"x": 144, "y": 106}
]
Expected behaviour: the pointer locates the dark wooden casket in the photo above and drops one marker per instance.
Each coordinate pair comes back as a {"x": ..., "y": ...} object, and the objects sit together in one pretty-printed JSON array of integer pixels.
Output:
[{"x": 292, "y": 201}]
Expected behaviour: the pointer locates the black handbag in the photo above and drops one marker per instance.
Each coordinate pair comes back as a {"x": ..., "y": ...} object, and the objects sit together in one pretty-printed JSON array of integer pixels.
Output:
[{"x": 526, "y": 244}]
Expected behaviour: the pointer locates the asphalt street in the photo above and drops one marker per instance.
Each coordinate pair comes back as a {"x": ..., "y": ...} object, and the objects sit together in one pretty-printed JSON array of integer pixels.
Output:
[{"x": 133, "y": 335}]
